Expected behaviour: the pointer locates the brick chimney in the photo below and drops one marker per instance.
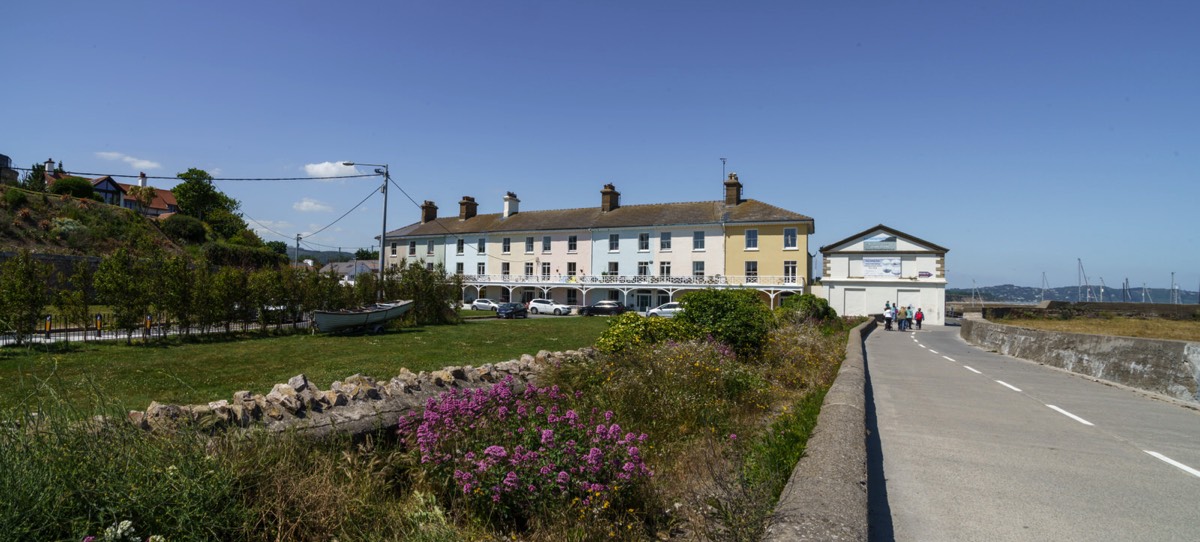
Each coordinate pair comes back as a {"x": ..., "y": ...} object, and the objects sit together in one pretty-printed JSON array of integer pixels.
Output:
[
  {"x": 511, "y": 205},
  {"x": 733, "y": 190},
  {"x": 610, "y": 199},
  {"x": 428, "y": 212},
  {"x": 467, "y": 208}
]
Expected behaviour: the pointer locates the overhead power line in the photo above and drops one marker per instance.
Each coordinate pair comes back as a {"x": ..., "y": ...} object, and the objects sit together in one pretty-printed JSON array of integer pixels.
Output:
[{"x": 83, "y": 174}]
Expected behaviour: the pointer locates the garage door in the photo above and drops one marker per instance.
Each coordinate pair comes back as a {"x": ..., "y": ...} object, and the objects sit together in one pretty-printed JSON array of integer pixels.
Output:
[{"x": 855, "y": 302}]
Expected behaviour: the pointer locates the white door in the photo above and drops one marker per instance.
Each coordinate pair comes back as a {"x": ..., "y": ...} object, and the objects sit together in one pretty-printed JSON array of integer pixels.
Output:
[{"x": 855, "y": 301}]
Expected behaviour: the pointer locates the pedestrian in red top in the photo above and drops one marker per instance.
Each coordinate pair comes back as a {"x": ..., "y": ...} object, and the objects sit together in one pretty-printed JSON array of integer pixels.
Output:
[{"x": 919, "y": 317}]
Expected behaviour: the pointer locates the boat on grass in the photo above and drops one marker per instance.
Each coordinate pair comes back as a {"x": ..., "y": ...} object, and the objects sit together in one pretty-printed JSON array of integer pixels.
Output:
[{"x": 369, "y": 318}]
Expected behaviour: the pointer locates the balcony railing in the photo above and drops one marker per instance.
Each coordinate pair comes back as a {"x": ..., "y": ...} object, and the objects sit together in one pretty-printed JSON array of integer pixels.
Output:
[{"x": 648, "y": 281}]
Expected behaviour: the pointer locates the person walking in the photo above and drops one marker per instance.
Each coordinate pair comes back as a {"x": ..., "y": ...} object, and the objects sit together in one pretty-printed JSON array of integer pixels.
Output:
[
  {"x": 900, "y": 318},
  {"x": 887, "y": 318},
  {"x": 920, "y": 317},
  {"x": 909, "y": 313}
]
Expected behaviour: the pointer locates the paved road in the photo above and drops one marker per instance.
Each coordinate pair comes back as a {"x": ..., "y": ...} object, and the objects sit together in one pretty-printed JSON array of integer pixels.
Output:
[{"x": 981, "y": 446}]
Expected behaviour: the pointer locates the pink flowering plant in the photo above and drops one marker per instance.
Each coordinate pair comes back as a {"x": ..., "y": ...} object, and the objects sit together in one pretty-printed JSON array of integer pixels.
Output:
[{"x": 514, "y": 455}]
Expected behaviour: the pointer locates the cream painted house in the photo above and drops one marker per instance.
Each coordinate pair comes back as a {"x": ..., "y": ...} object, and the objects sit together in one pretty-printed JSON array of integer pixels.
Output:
[{"x": 868, "y": 269}]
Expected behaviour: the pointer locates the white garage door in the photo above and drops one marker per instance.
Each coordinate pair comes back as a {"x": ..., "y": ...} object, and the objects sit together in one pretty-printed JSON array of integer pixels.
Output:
[{"x": 855, "y": 302}]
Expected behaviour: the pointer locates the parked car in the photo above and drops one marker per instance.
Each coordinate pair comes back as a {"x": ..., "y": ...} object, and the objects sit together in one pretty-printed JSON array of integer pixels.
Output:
[
  {"x": 484, "y": 304},
  {"x": 546, "y": 306},
  {"x": 511, "y": 310},
  {"x": 603, "y": 307},
  {"x": 666, "y": 310}
]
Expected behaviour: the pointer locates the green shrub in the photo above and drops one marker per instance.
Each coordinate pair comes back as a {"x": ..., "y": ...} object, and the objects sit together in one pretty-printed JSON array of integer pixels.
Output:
[
  {"x": 185, "y": 228},
  {"x": 738, "y": 318},
  {"x": 809, "y": 307},
  {"x": 73, "y": 186},
  {"x": 14, "y": 198},
  {"x": 631, "y": 330}
]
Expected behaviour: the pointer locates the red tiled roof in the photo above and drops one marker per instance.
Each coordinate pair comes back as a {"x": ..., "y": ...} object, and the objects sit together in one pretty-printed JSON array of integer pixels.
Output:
[{"x": 162, "y": 197}]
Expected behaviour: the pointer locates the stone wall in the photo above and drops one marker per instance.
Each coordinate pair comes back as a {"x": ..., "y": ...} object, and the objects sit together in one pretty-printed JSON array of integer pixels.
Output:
[
  {"x": 356, "y": 406},
  {"x": 826, "y": 496},
  {"x": 1170, "y": 368}
]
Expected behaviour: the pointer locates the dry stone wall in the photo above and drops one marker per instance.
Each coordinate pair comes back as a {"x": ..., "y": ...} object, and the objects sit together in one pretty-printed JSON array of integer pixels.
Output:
[{"x": 356, "y": 405}]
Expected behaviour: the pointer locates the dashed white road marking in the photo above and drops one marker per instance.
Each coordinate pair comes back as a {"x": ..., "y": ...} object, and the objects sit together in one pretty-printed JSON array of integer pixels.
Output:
[
  {"x": 1011, "y": 387},
  {"x": 967, "y": 367},
  {"x": 1175, "y": 464},
  {"x": 1072, "y": 416},
  {"x": 921, "y": 345},
  {"x": 948, "y": 358},
  {"x": 932, "y": 350}
]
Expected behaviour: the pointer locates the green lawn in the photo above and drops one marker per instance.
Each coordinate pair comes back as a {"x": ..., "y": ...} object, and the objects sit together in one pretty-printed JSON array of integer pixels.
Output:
[{"x": 201, "y": 372}]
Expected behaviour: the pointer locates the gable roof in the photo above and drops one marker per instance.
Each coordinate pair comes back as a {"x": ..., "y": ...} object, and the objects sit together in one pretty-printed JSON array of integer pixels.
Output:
[
  {"x": 163, "y": 198},
  {"x": 881, "y": 228},
  {"x": 626, "y": 216}
]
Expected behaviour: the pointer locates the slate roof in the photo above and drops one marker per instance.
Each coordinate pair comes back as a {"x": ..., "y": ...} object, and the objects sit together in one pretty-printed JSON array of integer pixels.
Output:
[{"x": 627, "y": 216}]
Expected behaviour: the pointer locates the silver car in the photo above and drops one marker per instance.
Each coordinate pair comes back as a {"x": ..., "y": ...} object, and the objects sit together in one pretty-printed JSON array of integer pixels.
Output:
[
  {"x": 666, "y": 310},
  {"x": 484, "y": 304}
]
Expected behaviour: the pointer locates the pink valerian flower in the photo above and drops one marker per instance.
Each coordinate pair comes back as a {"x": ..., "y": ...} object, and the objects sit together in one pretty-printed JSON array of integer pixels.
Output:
[
  {"x": 495, "y": 452},
  {"x": 548, "y": 437}
]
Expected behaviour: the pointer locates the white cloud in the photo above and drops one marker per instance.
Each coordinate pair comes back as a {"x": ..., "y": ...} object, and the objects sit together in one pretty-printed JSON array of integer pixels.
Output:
[
  {"x": 309, "y": 205},
  {"x": 137, "y": 163},
  {"x": 329, "y": 169}
]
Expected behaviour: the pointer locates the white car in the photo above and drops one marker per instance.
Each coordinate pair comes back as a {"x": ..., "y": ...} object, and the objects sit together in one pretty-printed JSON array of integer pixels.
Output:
[
  {"x": 484, "y": 304},
  {"x": 666, "y": 310},
  {"x": 547, "y": 306}
]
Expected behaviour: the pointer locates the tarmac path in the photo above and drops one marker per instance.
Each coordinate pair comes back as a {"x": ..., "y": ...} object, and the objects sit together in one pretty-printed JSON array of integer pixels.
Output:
[{"x": 973, "y": 445}]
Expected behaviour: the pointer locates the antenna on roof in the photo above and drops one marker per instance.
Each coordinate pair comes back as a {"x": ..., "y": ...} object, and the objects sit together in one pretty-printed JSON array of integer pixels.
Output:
[{"x": 722, "y": 168}]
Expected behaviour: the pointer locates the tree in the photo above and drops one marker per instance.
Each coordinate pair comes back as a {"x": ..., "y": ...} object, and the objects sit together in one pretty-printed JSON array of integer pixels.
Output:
[
  {"x": 197, "y": 196},
  {"x": 229, "y": 292},
  {"x": 73, "y": 300},
  {"x": 121, "y": 284},
  {"x": 278, "y": 247},
  {"x": 176, "y": 291},
  {"x": 265, "y": 290},
  {"x": 143, "y": 196},
  {"x": 366, "y": 254},
  {"x": 433, "y": 293},
  {"x": 35, "y": 179},
  {"x": 23, "y": 294},
  {"x": 74, "y": 186}
]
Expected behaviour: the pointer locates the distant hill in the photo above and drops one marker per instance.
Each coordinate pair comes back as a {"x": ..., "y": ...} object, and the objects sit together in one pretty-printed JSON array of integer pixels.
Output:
[
  {"x": 321, "y": 256},
  {"x": 1009, "y": 293}
]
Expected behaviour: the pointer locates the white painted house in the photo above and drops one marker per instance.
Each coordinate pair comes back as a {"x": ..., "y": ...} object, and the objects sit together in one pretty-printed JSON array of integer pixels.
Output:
[{"x": 862, "y": 272}]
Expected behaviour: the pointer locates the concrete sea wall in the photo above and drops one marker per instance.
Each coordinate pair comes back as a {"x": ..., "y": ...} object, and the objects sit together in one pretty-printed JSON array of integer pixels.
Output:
[{"x": 1169, "y": 368}]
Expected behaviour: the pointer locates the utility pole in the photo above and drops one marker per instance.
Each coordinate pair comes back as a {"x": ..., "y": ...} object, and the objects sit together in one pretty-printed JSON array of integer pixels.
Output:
[{"x": 297, "y": 248}]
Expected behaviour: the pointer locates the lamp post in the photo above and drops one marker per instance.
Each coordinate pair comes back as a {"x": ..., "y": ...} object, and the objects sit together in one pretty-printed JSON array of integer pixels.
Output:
[{"x": 383, "y": 232}]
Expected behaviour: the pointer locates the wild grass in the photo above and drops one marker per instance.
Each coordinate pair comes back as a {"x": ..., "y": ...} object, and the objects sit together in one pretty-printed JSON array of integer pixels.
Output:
[
  {"x": 1146, "y": 328},
  {"x": 202, "y": 369}
]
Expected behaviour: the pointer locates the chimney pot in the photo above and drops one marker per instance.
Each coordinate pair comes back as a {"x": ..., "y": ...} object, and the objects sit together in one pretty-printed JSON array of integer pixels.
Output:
[
  {"x": 610, "y": 199},
  {"x": 733, "y": 190},
  {"x": 467, "y": 208},
  {"x": 428, "y": 212}
]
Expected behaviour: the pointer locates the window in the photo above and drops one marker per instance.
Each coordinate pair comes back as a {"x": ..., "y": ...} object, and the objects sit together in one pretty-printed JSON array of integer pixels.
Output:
[
  {"x": 614, "y": 242},
  {"x": 751, "y": 239},
  {"x": 789, "y": 272},
  {"x": 751, "y": 271},
  {"x": 504, "y": 269},
  {"x": 529, "y": 245},
  {"x": 482, "y": 248},
  {"x": 664, "y": 269},
  {"x": 458, "y": 268},
  {"x": 570, "y": 269},
  {"x": 545, "y": 270},
  {"x": 614, "y": 268},
  {"x": 643, "y": 242},
  {"x": 789, "y": 238},
  {"x": 429, "y": 247},
  {"x": 572, "y": 243},
  {"x": 429, "y": 266},
  {"x": 529, "y": 269},
  {"x": 546, "y": 244},
  {"x": 698, "y": 269},
  {"x": 412, "y": 248},
  {"x": 697, "y": 240},
  {"x": 506, "y": 245},
  {"x": 480, "y": 269},
  {"x": 460, "y": 247},
  {"x": 393, "y": 248},
  {"x": 643, "y": 269},
  {"x": 572, "y": 297},
  {"x": 664, "y": 241}
]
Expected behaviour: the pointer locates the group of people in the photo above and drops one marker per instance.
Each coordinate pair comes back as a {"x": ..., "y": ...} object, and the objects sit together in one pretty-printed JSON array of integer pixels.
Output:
[{"x": 905, "y": 317}]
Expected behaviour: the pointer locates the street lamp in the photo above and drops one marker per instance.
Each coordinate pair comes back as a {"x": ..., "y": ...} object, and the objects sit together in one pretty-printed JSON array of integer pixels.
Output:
[{"x": 383, "y": 233}]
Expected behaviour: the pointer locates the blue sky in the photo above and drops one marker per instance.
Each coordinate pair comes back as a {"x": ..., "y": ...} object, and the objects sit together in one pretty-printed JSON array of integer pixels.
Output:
[{"x": 1020, "y": 135}]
